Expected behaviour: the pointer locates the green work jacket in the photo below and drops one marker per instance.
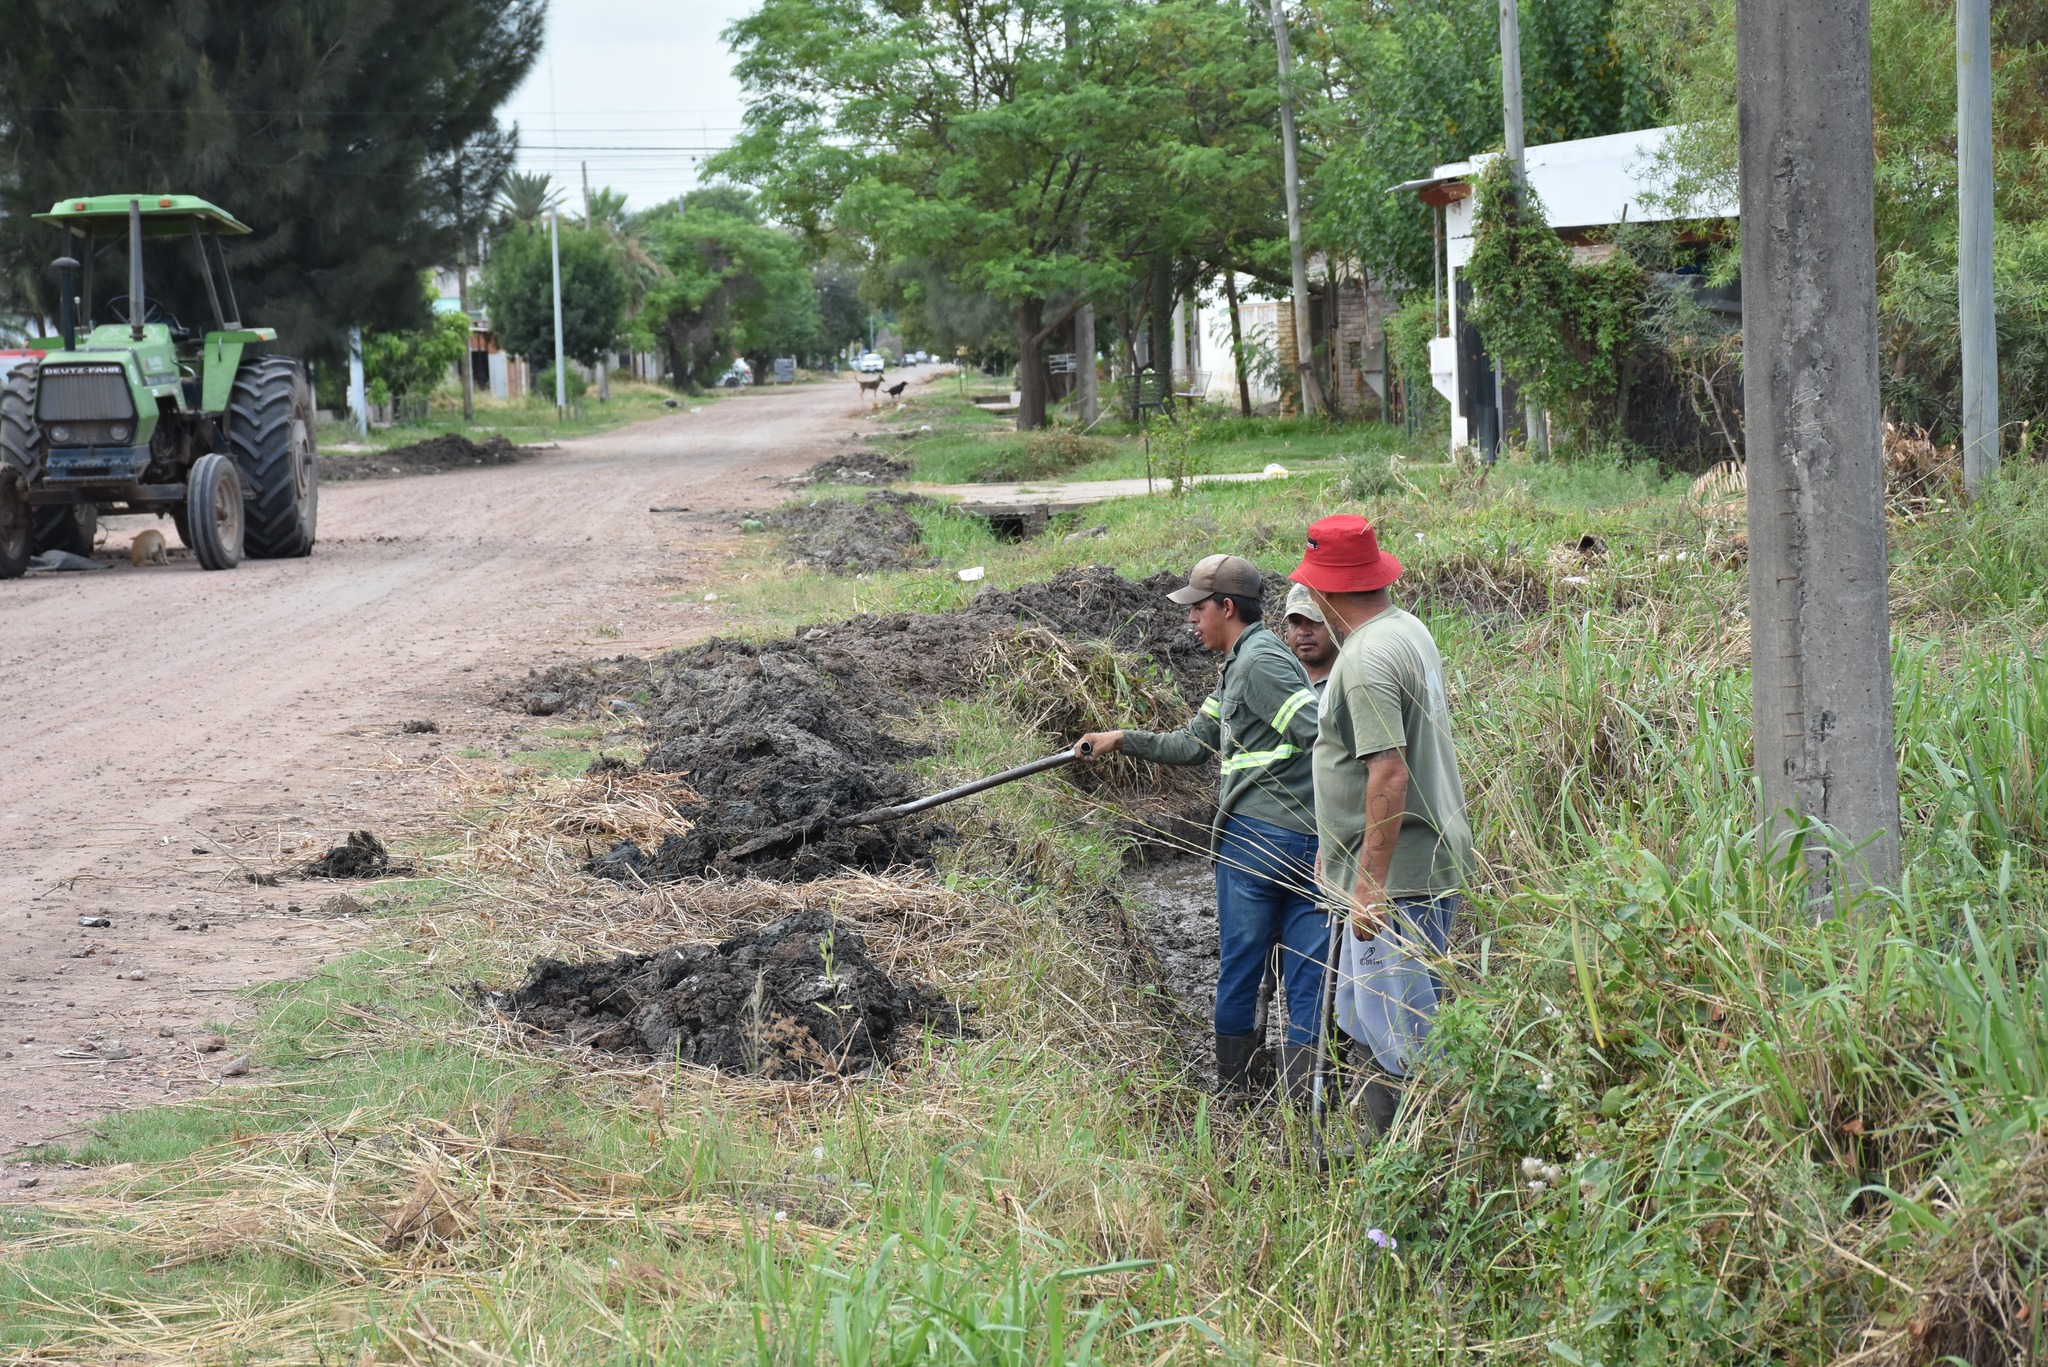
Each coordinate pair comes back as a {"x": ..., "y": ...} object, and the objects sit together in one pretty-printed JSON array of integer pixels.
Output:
[{"x": 1260, "y": 723}]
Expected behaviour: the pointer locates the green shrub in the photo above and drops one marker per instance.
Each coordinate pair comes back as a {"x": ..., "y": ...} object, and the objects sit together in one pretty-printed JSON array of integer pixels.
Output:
[
  {"x": 544, "y": 386},
  {"x": 1366, "y": 474}
]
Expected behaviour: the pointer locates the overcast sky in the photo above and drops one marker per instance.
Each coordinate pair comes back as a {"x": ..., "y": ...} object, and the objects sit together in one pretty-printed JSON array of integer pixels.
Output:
[{"x": 638, "y": 89}]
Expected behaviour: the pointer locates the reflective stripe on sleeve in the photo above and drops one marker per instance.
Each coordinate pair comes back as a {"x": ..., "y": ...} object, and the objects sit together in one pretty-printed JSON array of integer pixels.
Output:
[
  {"x": 1211, "y": 708},
  {"x": 1297, "y": 700},
  {"x": 1259, "y": 759}
]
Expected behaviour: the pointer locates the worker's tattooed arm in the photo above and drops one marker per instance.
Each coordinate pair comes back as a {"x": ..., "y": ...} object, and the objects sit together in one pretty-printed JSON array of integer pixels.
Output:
[{"x": 1386, "y": 800}]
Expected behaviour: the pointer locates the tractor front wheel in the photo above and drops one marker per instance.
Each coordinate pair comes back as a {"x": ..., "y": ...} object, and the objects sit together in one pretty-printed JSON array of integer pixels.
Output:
[
  {"x": 213, "y": 512},
  {"x": 270, "y": 436},
  {"x": 70, "y": 527},
  {"x": 20, "y": 462}
]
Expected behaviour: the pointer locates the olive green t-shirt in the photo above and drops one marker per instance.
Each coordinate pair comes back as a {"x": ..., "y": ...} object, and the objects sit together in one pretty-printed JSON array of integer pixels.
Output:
[{"x": 1386, "y": 692}]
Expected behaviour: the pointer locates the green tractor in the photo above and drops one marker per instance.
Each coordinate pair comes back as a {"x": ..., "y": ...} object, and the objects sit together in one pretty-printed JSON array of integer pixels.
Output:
[{"x": 142, "y": 414}]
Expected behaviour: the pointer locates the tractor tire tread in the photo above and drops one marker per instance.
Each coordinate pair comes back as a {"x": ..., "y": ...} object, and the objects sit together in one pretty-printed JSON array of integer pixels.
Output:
[
  {"x": 20, "y": 466},
  {"x": 259, "y": 423}
]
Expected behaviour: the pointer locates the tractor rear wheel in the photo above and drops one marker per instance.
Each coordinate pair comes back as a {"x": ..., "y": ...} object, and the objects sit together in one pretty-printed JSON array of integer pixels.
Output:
[
  {"x": 270, "y": 436},
  {"x": 69, "y": 527},
  {"x": 21, "y": 458},
  {"x": 213, "y": 512}
]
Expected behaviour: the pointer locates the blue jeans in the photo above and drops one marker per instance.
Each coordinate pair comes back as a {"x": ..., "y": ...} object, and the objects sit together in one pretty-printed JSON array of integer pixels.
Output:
[{"x": 1265, "y": 894}]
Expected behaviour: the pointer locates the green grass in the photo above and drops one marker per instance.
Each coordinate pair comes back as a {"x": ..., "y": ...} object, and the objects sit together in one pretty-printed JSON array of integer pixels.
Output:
[
  {"x": 1781, "y": 1139},
  {"x": 968, "y": 446}
]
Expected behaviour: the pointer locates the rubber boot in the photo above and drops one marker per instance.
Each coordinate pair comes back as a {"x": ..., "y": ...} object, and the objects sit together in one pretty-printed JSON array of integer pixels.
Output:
[
  {"x": 1235, "y": 1058},
  {"x": 1380, "y": 1099},
  {"x": 1298, "y": 1069}
]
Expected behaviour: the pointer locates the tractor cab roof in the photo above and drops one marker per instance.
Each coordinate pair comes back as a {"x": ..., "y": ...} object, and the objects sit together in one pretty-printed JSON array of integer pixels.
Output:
[{"x": 162, "y": 215}]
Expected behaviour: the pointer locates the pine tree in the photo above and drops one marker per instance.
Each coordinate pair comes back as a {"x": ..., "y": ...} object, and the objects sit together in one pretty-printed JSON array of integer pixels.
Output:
[{"x": 323, "y": 126}]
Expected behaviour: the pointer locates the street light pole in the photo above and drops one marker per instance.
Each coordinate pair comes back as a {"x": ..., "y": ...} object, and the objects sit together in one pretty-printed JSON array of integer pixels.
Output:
[
  {"x": 1973, "y": 255},
  {"x": 1820, "y": 643},
  {"x": 561, "y": 379}
]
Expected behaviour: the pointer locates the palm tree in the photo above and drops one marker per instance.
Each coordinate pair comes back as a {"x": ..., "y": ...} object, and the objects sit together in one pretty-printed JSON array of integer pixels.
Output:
[
  {"x": 526, "y": 198},
  {"x": 605, "y": 211}
]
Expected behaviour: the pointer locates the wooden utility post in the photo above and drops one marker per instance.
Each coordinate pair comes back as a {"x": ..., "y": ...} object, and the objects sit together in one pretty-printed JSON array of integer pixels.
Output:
[
  {"x": 1973, "y": 247},
  {"x": 1304, "y": 354},
  {"x": 1819, "y": 614}
]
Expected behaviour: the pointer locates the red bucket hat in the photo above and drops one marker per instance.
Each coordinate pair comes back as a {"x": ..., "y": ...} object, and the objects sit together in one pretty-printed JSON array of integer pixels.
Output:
[{"x": 1344, "y": 556}]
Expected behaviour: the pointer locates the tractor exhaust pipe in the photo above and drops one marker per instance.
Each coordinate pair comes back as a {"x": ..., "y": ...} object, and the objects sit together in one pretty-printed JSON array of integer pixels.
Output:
[
  {"x": 138, "y": 307},
  {"x": 67, "y": 303}
]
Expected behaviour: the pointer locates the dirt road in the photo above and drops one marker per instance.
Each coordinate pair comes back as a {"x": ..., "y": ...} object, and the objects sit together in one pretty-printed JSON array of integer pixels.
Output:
[{"x": 167, "y": 729}]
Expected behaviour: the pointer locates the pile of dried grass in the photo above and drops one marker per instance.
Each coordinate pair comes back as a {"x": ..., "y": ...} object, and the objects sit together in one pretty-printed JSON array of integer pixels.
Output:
[
  {"x": 1481, "y": 586},
  {"x": 1722, "y": 493},
  {"x": 1919, "y": 477}
]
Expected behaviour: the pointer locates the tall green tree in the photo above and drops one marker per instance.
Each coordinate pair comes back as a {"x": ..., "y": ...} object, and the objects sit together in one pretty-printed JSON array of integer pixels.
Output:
[
  {"x": 319, "y": 125},
  {"x": 519, "y": 290},
  {"x": 1406, "y": 85},
  {"x": 731, "y": 287},
  {"x": 982, "y": 135}
]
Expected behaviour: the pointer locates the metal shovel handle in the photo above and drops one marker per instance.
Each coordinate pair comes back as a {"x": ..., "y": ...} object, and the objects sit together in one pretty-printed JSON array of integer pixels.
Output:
[{"x": 979, "y": 785}]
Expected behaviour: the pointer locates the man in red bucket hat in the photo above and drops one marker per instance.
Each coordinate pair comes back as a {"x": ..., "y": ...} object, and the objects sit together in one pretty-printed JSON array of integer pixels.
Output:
[{"x": 1390, "y": 805}]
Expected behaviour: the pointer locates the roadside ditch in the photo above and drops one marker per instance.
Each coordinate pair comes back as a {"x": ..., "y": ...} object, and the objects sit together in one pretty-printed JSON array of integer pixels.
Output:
[{"x": 757, "y": 745}]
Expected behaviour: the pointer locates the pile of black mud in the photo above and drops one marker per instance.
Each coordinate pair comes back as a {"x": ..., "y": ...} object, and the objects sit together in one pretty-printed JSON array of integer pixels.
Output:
[
  {"x": 854, "y": 535},
  {"x": 794, "y": 1000},
  {"x": 362, "y": 855},
  {"x": 855, "y": 467},
  {"x": 449, "y": 451},
  {"x": 766, "y": 740},
  {"x": 787, "y": 734}
]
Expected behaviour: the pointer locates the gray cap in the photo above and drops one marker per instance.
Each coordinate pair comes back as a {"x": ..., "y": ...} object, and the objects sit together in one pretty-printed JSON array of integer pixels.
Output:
[
  {"x": 1216, "y": 574},
  {"x": 1302, "y": 603}
]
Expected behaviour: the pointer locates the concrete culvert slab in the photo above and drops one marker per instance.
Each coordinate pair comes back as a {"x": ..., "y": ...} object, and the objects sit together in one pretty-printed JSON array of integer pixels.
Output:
[{"x": 797, "y": 999}]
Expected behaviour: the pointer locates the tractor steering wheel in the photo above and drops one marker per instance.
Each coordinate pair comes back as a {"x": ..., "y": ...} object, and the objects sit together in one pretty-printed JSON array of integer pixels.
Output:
[{"x": 153, "y": 312}]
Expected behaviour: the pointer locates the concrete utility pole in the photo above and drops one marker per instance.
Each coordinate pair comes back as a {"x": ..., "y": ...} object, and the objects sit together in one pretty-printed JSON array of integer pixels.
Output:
[
  {"x": 1304, "y": 357},
  {"x": 1973, "y": 249},
  {"x": 1087, "y": 401},
  {"x": 1819, "y": 615},
  {"x": 1511, "y": 124},
  {"x": 561, "y": 375}
]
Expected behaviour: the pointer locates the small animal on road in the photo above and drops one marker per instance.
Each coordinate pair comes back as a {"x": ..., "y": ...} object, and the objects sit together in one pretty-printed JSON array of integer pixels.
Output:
[
  {"x": 868, "y": 385},
  {"x": 893, "y": 390},
  {"x": 148, "y": 549}
]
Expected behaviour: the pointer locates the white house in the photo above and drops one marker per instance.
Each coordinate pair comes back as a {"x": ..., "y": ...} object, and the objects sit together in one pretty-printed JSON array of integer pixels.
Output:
[{"x": 1586, "y": 186}]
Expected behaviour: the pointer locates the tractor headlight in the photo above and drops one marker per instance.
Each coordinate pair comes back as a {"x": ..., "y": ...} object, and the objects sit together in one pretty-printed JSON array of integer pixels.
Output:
[
  {"x": 118, "y": 432},
  {"x": 60, "y": 434}
]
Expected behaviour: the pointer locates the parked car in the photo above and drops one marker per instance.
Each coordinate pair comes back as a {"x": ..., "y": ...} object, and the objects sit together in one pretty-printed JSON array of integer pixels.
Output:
[
  {"x": 739, "y": 377},
  {"x": 870, "y": 363}
]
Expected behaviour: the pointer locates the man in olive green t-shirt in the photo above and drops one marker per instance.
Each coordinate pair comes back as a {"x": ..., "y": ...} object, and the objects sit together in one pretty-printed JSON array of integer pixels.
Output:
[{"x": 1390, "y": 805}]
